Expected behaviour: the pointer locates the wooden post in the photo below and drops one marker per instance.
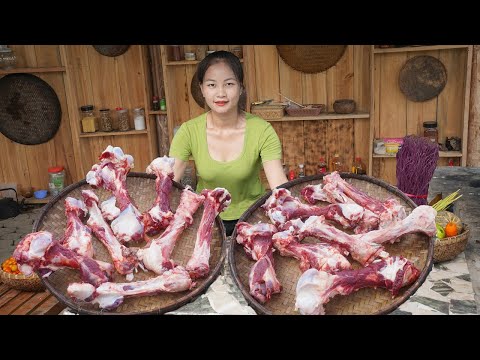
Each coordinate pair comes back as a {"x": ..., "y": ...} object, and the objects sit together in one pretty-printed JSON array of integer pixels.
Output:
[{"x": 473, "y": 149}]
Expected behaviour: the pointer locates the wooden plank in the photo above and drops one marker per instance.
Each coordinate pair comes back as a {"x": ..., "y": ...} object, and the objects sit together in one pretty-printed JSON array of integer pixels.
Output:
[
  {"x": 250, "y": 74},
  {"x": 32, "y": 303},
  {"x": 466, "y": 108},
  {"x": 113, "y": 133},
  {"x": 267, "y": 72},
  {"x": 293, "y": 141},
  {"x": 3, "y": 289},
  {"x": 419, "y": 48},
  {"x": 324, "y": 116},
  {"x": 15, "y": 302},
  {"x": 472, "y": 122},
  {"x": 48, "y": 56},
  {"x": 50, "y": 306},
  {"x": 33, "y": 70}
]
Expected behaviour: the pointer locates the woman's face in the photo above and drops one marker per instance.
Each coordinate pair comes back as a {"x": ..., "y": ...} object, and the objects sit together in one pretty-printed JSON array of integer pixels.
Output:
[{"x": 221, "y": 88}]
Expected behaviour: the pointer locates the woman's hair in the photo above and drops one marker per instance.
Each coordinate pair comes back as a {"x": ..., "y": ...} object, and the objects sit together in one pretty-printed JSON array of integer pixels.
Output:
[{"x": 233, "y": 62}]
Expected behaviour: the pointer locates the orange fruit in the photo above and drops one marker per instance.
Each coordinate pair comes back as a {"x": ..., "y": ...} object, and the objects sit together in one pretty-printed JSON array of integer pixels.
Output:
[{"x": 451, "y": 229}]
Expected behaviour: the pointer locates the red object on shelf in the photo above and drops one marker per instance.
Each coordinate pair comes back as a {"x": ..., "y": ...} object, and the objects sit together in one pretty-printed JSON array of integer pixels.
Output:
[
  {"x": 291, "y": 175},
  {"x": 55, "y": 169}
]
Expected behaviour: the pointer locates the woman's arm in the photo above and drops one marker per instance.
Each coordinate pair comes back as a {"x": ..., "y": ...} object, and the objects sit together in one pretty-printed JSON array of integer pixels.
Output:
[
  {"x": 178, "y": 169},
  {"x": 274, "y": 171}
]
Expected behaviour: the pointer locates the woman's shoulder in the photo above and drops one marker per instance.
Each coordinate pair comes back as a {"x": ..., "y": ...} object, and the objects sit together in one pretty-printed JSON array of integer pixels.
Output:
[
  {"x": 256, "y": 121},
  {"x": 195, "y": 122}
]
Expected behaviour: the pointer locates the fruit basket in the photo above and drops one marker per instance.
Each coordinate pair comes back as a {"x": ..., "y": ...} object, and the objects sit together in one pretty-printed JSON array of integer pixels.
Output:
[
  {"x": 449, "y": 248},
  {"x": 22, "y": 282}
]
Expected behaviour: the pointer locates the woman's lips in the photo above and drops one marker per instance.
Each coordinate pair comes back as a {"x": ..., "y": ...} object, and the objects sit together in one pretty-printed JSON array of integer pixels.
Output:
[{"x": 220, "y": 103}]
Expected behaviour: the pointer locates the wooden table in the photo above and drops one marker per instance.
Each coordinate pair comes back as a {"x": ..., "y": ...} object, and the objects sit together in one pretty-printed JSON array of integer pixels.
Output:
[{"x": 17, "y": 302}]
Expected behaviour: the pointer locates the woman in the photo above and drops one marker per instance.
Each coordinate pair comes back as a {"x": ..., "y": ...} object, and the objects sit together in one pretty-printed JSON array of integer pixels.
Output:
[{"x": 228, "y": 144}]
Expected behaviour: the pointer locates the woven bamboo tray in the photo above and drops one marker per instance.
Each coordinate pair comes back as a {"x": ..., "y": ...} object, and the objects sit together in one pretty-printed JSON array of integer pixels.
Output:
[
  {"x": 418, "y": 248},
  {"x": 141, "y": 187},
  {"x": 22, "y": 282}
]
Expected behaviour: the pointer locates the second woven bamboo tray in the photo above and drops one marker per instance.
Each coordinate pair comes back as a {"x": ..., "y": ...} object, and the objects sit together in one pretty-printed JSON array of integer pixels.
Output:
[
  {"x": 141, "y": 187},
  {"x": 416, "y": 247}
]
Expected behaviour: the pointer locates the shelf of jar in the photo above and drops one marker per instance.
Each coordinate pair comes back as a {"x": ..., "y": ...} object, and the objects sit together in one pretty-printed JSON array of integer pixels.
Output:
[
  {"x": 158, "y": 112},
  {"x": 442, "y": 154},
  {"x": 33, "y": 70},
  {"x": 113, "y": 133},
  {"x": 187, "y": 62},
  {"x": 418, "y": 48},
  {"x": 324, "y": 116}
]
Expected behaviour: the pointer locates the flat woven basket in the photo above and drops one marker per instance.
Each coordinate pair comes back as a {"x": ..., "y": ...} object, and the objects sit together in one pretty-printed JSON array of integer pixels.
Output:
[
  {"x": 21, "y": 282},
  {"x": 311, "y": 110},
  {"x": 417, "y": 247},
  {"x": 311, "y": 58},
  {"x": 141, "y": 187},
  {"x": 268, "y": 112},
  {"x": 448, "y": 248}
]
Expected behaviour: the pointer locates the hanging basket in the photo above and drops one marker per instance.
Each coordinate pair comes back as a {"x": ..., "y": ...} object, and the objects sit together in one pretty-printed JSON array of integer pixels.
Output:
[{"x": 311, "y": 58}]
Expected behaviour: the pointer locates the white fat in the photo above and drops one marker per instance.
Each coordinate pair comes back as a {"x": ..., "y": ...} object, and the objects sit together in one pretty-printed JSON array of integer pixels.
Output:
[
  {"x": 109, "y": 210},
  {"x": 351, "y": 211},
  {"x": 90, "y": 194},
  {"x": 26, "y": 269},
  {"x": 163, "y": 165},
  {"x": 39, "y": 245},
  {"x": 222, "y": 198},
  {"x": 276, "y": 216},
  {"x": 390, "y": 271},
  {"x": 129, "y": 277},
  {"x": 126, "y": 224},
  {"x": 80, "y": 291},
  {"x": 91, "y": 178}
]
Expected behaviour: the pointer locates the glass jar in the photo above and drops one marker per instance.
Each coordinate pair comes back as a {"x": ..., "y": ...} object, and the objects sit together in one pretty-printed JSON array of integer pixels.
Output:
[
  {"x": 322, "y": 166},
  {"x": 89, "y": 122},
  {"x": 176, "y": 52},
  {"x": 106, "y": 123},
  {"x": 139, "y": 118},
  {"x": 155, "y": 103},
  {"x": 8, "y": 60},
  {"x": 123, "y": 122},
  {"x": 301, "y": 170},
  {"x": 56, "y": 181},
  {"x": 430, "y": 131}
]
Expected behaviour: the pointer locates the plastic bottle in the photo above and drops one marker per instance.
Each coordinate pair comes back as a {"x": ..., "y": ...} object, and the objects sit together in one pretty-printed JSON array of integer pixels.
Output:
[
  {"x": 155, "y": 103},
  {"x": 336, "y": 164},
  {"x": 139, "y": 119},
  {"x": 358, "y": 167},
  {"x": 56, "y": 181},
  {"x": 322, "y": 166},
  {"x": 291, "y": 175},
  {"x": 163, "y": 105},
  {"x": 301, "y": 170}
]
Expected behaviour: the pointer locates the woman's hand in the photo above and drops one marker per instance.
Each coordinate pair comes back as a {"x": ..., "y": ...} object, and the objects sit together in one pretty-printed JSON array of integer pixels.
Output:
[{"x": 274, "y": 172}]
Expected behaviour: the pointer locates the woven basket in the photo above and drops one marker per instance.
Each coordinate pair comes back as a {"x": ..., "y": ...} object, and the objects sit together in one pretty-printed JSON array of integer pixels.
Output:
[
  {"x": 141, "y": 188},
  {"x": 311, "y": 58},
  {"x": 268, "y": 112},
  {"x": 311, "y": 110},
  {"x": 22, "y": 282},
  {"x": 416, "y": 247},
  {"x": 448, "y": 248}
]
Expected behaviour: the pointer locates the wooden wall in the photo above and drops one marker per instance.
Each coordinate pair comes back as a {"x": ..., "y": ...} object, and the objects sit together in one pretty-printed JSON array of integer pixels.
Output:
[
  {"x": 395, "y": 116},
  {"x": 27, "y": 165},
  {"x": 89, "y": 78}
]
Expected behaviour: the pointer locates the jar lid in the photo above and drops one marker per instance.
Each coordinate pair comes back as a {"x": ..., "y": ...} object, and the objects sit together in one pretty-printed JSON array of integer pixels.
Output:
[
  {"x": 55, "y": 169},
  {"x": 430, "y": 124},
  {"x": 138, "y": 109},
  {"x": 104, "y": 110},
  {"x": 122, "y": 110},
  {"x": 86, "y": 108}
]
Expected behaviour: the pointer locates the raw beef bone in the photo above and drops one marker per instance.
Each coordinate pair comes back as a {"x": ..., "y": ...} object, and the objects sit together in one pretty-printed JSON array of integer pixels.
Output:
[
  {"x": 315, "y": 288},
  {"x": 160, "y": 214},
  {"x": 111, "y": 174},
  {"x": 216, "y": 201},
  {"x": 111, "y": 295},
  {"x": 39, "y": 252},
  {"x": 78, "y": 237}
]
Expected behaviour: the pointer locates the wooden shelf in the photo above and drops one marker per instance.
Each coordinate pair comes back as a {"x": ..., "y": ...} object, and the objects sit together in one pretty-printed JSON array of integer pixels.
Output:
[
  {"x": 113, "y": 133},
  {"x": 158, "y": 112},
  {"x": 325, "y": 116},
  {"x": 419, "y": 48},
  {"x": 442, "y": 154},
  {"x": 33, "y": 70},
  {"x": 186, "y": 62},
  {"x": 33, "y": 201}
]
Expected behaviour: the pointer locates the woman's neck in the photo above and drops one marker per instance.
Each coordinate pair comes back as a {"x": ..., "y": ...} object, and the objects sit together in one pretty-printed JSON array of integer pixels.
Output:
[{"x": 223, "y": 121}]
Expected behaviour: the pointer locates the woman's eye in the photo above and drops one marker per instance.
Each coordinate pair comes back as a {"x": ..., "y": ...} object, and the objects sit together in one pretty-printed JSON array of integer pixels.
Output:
[{"x": 211, "y": 85}]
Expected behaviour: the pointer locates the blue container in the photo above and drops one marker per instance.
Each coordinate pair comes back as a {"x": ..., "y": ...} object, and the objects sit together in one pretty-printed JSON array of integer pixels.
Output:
[{"x": 40, "y": 194}]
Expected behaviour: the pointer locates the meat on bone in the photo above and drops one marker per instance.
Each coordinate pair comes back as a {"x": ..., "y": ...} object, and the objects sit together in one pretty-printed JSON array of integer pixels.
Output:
[
  {"x": 262, "y": 279},
  {"x": 123, "y": 258},
  {"x": 216, "y": 201},
  {"x": 336, "y": 190},
  {"x": 366, "y": 247},
  {"x": 160, "y": 214},
  {"x": 38, "y": 251},
  {"x": 109, "y": 210},
  {"x": 111, "y": 174},
  {"x": 78, "y": 237},
  {"x": 320, "y": 256},
  {"x": 315, "y": 288},
  {"x": 257, "y": 242},
  {"x": 256, "y": 239},
  {"x": 128, "y": 226},
  {"x": 156, "y": 254},
  {"x": 111, "y": 295},
  {"x": 282, "y": 206}
]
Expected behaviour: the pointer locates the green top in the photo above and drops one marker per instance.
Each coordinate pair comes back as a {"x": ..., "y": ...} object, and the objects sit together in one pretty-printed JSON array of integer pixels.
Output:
[{"x": 241, "y": 177}]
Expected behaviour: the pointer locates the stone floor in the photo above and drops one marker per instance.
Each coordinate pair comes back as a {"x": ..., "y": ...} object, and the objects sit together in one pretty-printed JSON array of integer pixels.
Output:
[{"x": 452, "y": 287}]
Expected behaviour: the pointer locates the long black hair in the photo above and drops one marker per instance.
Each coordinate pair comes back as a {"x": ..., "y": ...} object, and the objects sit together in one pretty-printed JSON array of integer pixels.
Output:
[{"x": 233, "y": 62}]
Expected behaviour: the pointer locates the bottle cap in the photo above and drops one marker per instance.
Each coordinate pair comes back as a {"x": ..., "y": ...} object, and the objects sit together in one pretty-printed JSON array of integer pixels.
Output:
[
  {"x": 55, "y": 169},
  {"x": 430, "y": 124}
]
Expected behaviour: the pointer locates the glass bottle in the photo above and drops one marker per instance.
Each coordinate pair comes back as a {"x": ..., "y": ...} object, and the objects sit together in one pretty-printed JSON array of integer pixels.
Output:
[
  {"x": 123, "y": 122},
  {"x": 155, "y": 103},
  {"x": 106, "y": 123},
  {"x": 291, "y": 175},
  {"x": 430, "y": 131},
  {"x": 56, "y": 179},
  {"x": 163, "y": 105},
  {"x": 301, "y": 170},
  {"x": 89, "y": 122},
  {"x": 358, "y": 167},
  {"x": 8, "y": 59},
  {"x": 336, "y": 164},
  {"x": 322, "y": 166},
  {"x": 139, "y": 118}
]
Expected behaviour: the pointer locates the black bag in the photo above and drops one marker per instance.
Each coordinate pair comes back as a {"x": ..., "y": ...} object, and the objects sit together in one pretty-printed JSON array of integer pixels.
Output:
[{"x": 8, "y": 207}]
